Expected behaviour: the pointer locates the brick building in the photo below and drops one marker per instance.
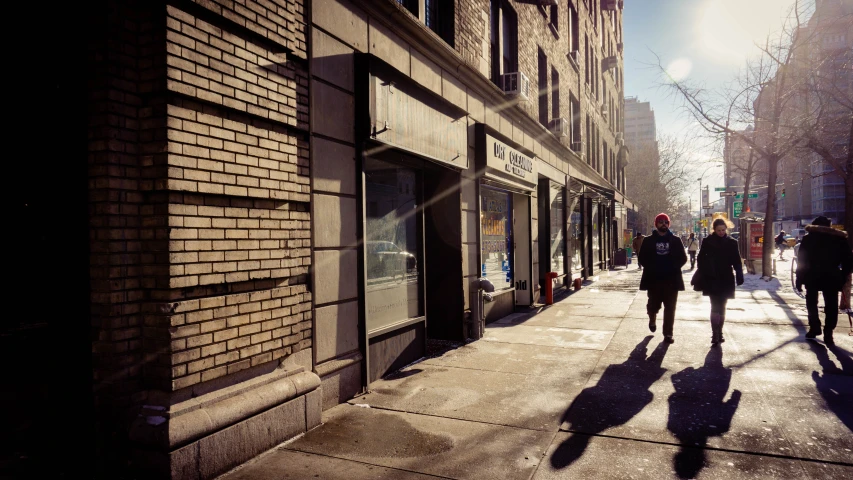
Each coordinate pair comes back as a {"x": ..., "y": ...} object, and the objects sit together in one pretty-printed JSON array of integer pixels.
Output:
[{"x": 285, "y": 198}]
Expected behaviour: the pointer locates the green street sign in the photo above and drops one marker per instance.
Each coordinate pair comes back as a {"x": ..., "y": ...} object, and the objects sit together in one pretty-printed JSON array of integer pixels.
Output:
[
  {"x": 751, "y": 195},
  {"x": 738, "y": 209},
  {"x": 720, "y": 189}
]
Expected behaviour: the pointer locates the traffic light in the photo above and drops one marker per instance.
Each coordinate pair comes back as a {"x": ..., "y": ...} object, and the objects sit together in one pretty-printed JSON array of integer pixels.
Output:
[{"x": 783, "y": 192}]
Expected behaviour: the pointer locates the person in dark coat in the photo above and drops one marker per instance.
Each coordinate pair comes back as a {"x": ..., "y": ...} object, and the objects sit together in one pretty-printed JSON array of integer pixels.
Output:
[
  {"x": 662, "y": 256},
  {"x": 719, "y": 255},
  {"x": 823, "y": 263}
]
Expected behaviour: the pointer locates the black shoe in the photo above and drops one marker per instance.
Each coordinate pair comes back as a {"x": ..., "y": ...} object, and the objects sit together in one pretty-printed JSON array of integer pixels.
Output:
[
  {"x": 812, "y": 334},
  {"x": 668, "y": 339},
  {"x": 827, "y": 339},
  {"x": 652, "y": 324}
]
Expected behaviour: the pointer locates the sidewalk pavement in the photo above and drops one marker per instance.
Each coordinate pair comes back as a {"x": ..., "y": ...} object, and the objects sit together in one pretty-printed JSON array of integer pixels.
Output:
[{"x": 582, "y": 389}]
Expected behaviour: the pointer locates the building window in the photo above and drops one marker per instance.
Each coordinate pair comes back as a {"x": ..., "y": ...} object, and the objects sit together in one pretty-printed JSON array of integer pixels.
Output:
[
  {"x": 575, "y": 105},
  {"x": 410, "y": 5},
  {"x": 586, "y": 58},
  {"x": 504, "y": 40},
  {"x": 555, "y": 93},
  {"x": 574, "y": 30},
  {"x": 496, "y": 225},
  {"x": 543, "y": 88},
  {"x": 554, "y": 18},
  {"x": 440, "y": 18}
]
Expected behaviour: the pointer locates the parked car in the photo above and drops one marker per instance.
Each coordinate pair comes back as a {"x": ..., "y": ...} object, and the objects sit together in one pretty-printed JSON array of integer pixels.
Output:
[
  {"x": 386, "y": 259},
  {"x": 790, "y": 240}
]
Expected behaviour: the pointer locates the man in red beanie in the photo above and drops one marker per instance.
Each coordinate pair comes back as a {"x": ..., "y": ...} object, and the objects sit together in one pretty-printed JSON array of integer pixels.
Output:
[{"x": 662, "y": 255}]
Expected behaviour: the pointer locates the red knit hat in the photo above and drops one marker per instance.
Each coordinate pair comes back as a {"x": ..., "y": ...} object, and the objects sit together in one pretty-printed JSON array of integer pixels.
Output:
[{"x": 662, "y": 216}]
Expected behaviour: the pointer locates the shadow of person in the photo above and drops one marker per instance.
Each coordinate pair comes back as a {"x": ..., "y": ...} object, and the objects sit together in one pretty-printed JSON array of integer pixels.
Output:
[
  {"x": 697, "y": 410},
  {"x": 830, "y": 383},
  {"x": 620, "y": 393}
]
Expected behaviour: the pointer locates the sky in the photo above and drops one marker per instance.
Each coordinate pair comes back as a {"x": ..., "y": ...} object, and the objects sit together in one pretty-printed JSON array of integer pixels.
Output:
[{"x": 704, "y": 41}]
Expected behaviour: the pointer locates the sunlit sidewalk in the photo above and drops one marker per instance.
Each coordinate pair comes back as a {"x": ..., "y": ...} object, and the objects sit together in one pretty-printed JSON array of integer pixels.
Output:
[{"x": 582, "y": 389}]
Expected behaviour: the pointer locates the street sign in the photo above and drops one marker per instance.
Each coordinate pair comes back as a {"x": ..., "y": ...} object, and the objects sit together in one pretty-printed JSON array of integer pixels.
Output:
[
  {"x": 751, "y": 195},
  {"x": 720, "y": 189},
  {"x": 727, "y": 194},
  {"x": 738, "y": 209},
  {"x": 706, "y": 207}
]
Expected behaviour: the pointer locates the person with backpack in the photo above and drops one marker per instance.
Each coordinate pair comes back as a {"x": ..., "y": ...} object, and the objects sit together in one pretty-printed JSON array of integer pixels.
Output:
[
  {"x": 662, "y": 253},
  {"x": 781, "y": 244},
  {"x": 692, "y": 248},
  {"x": 824, "y": 261}
]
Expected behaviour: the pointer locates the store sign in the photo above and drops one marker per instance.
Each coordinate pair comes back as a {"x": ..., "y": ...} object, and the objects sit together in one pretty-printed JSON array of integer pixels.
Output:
[
  {"x": 405, "y": 117},
  {"x": 510, "y": 162},
  {"x": 756, "y": 240}
]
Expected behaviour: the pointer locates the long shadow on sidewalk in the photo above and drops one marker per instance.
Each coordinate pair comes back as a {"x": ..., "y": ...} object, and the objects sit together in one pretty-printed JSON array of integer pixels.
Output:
[
  {"x": 621, "y": 393},
  {"x": 697, "y": 410},
  {"x": 828, "y": 383}
]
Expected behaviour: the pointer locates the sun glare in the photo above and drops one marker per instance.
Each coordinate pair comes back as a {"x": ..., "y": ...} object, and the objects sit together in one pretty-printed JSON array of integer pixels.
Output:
[
  {"x": 729, "y": 29},
  {"x": 679, "y": 69}
]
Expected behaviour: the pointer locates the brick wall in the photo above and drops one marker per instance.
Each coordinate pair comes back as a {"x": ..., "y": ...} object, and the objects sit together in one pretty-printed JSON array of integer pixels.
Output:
[{"x": 199, "y": 195}]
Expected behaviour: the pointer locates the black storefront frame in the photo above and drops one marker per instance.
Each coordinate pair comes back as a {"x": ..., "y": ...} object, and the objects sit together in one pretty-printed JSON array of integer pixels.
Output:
[
  {"x": 436, "y": 174},
  {"x": 546, "y": 184}
]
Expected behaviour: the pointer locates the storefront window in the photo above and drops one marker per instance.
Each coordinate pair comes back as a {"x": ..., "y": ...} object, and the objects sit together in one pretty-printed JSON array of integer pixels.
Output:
[
  {"x": 575, "y": 234},
  {"x": 596, "y": 234},
  {"x": 393, "y": 240},
  {"x": 496, "y": 225},
  {"x": 558, "y": 229}
]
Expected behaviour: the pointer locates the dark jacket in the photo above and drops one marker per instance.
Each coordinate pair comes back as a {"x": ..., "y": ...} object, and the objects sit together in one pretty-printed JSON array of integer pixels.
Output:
[
  {"x": 662, "y": 257},
  {"x": 719, "y": 255},
  {"x": 824, "y": 259}
]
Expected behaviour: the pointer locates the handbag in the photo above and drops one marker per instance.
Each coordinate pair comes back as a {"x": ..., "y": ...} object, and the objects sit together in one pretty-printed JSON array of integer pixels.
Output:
[{"x": 698, "y": 280}]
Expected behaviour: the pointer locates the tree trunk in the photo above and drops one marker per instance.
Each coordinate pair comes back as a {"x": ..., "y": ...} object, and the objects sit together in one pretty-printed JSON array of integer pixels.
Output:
[
  {"x": 769, "y": 215},
  {"x": 747, "y": 182}
]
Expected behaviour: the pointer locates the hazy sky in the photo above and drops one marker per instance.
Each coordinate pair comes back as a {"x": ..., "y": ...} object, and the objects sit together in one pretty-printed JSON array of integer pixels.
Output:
[{"x": 706, "y": 41}]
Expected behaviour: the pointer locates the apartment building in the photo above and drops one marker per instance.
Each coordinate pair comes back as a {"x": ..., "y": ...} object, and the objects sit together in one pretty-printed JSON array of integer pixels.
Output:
[{"x": 287, "y": 198}]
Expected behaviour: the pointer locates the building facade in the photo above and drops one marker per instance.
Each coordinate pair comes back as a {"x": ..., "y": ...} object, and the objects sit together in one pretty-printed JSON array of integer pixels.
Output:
[{"x": 288, "y": 198}]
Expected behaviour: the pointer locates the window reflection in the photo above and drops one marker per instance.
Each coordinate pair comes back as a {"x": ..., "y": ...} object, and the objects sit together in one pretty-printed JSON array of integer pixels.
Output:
[
  {"x": 558, "y": 229},
  {"x": 392, "y": 243},
  {"x": 496, "y": 225}
]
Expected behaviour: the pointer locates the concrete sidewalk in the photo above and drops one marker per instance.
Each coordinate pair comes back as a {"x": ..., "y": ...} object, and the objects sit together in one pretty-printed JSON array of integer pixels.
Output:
[{"x": 582, "y": 389}]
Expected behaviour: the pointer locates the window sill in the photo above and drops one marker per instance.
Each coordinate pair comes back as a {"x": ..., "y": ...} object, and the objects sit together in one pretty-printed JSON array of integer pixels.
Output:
[
  {"x": 554, "y": 30},
  {"x": 571, "y": 56}
]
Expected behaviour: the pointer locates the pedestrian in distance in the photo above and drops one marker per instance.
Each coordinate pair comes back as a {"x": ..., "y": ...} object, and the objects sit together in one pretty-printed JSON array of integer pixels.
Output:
[
  {"x": 719, "y": 255},
  {"x": 636, "y": 244},
  {"x": 781, "y": 244},
  {"x": 662, "y": 255},
  {"x": 692, "y": 248},
  {"x": 824, "y": 261}
]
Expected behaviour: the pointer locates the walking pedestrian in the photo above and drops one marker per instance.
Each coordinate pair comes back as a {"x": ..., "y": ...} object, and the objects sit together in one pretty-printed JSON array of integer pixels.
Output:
[
  {"x": 780, "y": 244},
  {"x": 662, "y": 253},
  {"x": 824, "y": 261},
  {"x": 636, "y": 244},
  {"x": 692, "y": 248},
  {"x": 719, "y": 255}
]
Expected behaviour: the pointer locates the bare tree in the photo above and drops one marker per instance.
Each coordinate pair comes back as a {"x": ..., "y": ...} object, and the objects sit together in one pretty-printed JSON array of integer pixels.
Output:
[
  {"x": 657, "y": 176},
  {"x": 767, "y": 93}
]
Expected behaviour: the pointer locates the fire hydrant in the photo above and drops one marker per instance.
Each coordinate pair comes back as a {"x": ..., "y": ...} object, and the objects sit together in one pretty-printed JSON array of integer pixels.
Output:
[{"x": 549, "y": 287}]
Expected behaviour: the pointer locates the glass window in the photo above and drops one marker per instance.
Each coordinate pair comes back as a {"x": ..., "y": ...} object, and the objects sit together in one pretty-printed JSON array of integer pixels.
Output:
[
  {"x": 496, "y": 225},
  {"x": 558, "y": 229},
  {"x": 393, "y": 240},
  {"x": 596, "y": 238},
  {"x": 575, "y": 234}
]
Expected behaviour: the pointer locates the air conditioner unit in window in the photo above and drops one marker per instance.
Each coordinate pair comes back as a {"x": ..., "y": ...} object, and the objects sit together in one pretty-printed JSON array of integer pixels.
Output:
[
  {"x": 608, "y": 63},
  {"x": 560, "y": 127},
  {"x": 620, "y": 46},
  {"x": 609, "y": 4},
  {"x": 516, "y": 83}
]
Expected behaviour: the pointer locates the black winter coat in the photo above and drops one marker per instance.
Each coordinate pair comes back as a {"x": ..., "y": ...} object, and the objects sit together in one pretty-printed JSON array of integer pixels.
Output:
[
  {"x": 662, "y": 263},
  {"x": 824, "y": 259},
  {"x": 718, "y": 256}
]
